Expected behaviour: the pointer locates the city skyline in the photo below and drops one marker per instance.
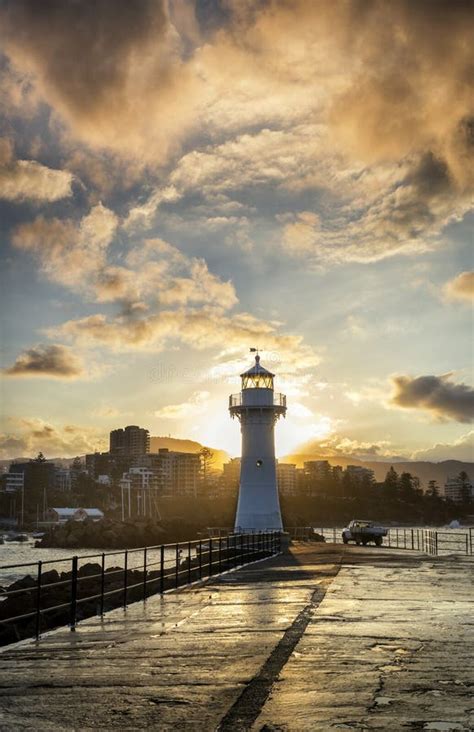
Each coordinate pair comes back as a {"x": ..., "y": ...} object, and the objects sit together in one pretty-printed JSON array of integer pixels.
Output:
[{"x": 196, "y": 179}]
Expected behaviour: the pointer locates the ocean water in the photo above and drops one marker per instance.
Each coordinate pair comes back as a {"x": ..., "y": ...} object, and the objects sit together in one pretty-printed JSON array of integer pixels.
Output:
[{"x": 13, "y": 553}]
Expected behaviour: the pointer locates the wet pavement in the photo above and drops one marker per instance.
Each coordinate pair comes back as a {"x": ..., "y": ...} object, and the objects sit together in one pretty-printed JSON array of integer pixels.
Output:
[{"x": 328, "y": 637}]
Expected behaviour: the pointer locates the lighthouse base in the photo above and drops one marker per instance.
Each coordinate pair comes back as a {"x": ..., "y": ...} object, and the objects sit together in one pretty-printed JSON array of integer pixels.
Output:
[{"x": 258, "y": 510}]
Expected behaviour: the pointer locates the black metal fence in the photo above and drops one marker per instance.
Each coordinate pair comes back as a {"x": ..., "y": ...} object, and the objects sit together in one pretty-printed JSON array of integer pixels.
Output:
[
  {"x": 45, "y": 597},
  {"x": 430, "y": 541}
]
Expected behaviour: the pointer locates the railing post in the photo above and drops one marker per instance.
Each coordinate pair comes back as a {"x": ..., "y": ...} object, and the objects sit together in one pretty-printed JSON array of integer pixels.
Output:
[
  {"x": 144, "y": 573},
  {"x": 470, "y": 540},
  {"x": 467, "y": 544},
  {"x": 210, "y": 556},
  {"x": 436, "y": 543},
  {"x": 412, "y": 540},
  {"x": 102, "y": 584},
  {"x": 176, "y": 577},
  {"x": 72, "y": 620},
  {"x": 200, "y": 559},
  {"x": 38, "y": 602},
  {"x": 162, "y": 569},
  {"x": 241, "y": 549},
  {"x": 189, "y": 562},
  {"x": 220, "y": 553},
  {"x": 125, "y": 579}
]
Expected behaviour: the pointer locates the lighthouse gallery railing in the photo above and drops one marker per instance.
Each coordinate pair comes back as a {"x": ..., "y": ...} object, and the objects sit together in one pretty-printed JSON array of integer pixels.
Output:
[{"x": 279, "y": 400}]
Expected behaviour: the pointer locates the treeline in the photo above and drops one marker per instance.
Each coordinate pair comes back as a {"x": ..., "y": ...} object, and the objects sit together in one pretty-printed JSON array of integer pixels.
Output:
[{"x": 399, "y": 498}]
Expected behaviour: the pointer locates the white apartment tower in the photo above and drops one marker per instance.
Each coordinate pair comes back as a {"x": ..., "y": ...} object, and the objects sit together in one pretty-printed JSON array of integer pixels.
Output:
[{"x": 258, "y": 408}]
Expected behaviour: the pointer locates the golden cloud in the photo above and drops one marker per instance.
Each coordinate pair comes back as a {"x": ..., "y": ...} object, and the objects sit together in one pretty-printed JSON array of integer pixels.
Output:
[
  {"x": 30, "y": 435},
  {"x": 53, "y": 360},
  {"x": 461, "y": 287}
]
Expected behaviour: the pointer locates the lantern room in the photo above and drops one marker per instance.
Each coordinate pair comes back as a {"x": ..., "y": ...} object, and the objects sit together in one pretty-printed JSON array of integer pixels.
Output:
[{"x": 257, "y": 377}]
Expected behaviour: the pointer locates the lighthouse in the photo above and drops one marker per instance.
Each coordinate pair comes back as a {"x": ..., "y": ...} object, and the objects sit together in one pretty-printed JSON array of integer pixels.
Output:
[{"x": 258, "y": 408}]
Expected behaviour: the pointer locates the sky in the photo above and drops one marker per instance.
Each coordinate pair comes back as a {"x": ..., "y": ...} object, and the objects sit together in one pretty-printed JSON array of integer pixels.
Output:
[{"x": 181, "y": 181}]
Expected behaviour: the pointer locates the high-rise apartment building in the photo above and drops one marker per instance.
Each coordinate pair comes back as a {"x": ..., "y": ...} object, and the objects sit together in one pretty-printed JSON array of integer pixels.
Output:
[
  {"x": 130, "y": 441},
  {"x": 286, "y": 479}
]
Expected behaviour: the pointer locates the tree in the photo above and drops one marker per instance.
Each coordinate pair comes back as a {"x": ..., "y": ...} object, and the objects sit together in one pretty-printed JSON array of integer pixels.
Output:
[
  {"x": 465, "y": 487},
  {"x": 391, "y": 483},
  {"x": 207, "y": 460},
  {"x": 433, "y": 490},
  {"x": 406, "y": 487}
]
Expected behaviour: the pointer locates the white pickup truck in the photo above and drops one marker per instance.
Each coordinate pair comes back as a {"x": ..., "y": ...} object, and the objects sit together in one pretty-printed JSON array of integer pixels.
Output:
[{"x": 362, "y": 532}]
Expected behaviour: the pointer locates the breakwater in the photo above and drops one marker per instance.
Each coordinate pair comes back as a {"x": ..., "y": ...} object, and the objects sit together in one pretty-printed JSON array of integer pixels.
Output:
[{"x": 46, "y": 598}]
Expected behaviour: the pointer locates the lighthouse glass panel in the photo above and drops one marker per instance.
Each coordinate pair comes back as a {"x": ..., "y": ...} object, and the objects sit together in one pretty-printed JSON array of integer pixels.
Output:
[{"x": 257, "y": 381}]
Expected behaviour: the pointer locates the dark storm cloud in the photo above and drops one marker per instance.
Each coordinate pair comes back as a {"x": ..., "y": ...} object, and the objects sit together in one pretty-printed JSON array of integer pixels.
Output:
[
  {"x": 106, "y": 66},
  {"x": 435, "y": 394},
  {"x": 47, "y": 360}
]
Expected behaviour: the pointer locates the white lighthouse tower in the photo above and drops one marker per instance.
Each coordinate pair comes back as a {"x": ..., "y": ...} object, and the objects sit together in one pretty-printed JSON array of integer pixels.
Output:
[{"x": 258, "y": 408}]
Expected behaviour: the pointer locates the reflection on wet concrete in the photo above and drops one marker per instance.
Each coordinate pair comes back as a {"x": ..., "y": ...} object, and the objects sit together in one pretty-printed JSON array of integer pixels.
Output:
[{"x": 327, "y": 637}]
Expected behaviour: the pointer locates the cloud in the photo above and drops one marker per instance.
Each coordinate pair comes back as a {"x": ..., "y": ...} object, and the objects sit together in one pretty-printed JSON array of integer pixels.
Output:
[
  {"x": 69, "y": 252},
  {"x": 30, "y": 435},
  {"x": 55, "y": 361},
  {"x": 22, "y": 180},
  {"x": 191, "y": 408},
  {"x": 291, "y": 97},
  {"x": 114, "y": 73},
  {"x": 206, "y": 328},
  {"x": 461, "y": 287},
  {"x": 153, "y": 270},
  {"x": 337, "y": 445},
  {"x": 460, "y": 449},
  {"x": 436, "y": 395}
]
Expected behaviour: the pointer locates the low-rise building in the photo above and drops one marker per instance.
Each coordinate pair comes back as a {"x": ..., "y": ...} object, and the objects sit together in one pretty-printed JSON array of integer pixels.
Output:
[
  {"x": 177, "y": 473},
  {"x": 317, "y": 470},
  {"x": 14, "y": 482},
  {"x": 458, "y": 490},
  {"x": 63, "y": 479},
  {"x": 360, "y": 473},
  {"x": 62, "y": 515},
  {"x": 139, "y": 492}
]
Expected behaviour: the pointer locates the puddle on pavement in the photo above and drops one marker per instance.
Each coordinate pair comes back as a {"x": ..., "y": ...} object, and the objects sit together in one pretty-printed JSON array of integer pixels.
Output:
[{"x": 383, "y": 701}]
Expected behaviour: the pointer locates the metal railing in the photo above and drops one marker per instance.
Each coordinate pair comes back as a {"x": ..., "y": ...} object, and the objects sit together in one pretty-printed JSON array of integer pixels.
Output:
[
  {"x": 90, "y": 589},
  {"x": 279, "y": 400},
  {"x": 429, "y": 541}
]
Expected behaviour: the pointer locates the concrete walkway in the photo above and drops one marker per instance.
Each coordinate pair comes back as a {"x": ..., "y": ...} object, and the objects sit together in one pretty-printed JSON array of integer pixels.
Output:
[{"x": 292, "y": 643}]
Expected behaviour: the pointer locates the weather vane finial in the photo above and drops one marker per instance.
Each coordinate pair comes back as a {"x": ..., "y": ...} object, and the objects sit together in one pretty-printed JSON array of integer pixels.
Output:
[{"x": 257, "y": 356}]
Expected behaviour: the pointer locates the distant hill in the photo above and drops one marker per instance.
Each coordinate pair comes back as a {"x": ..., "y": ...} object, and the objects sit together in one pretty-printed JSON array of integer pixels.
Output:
[
  {"x": 173, "y": 443},
  {"x": 425, "y": 471}
]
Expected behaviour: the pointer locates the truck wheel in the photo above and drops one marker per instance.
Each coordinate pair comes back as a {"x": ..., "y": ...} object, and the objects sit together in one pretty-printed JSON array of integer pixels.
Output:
[
  {"x": 358, "y": 543},
  {"x": 345, "y": 539},
  {"x": 378, "y": 541},
  {"x": 364, "y": 542}
]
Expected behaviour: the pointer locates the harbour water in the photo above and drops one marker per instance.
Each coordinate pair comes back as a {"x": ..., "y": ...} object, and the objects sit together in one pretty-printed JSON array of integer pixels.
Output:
[{"x": 14, "y": 553}]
